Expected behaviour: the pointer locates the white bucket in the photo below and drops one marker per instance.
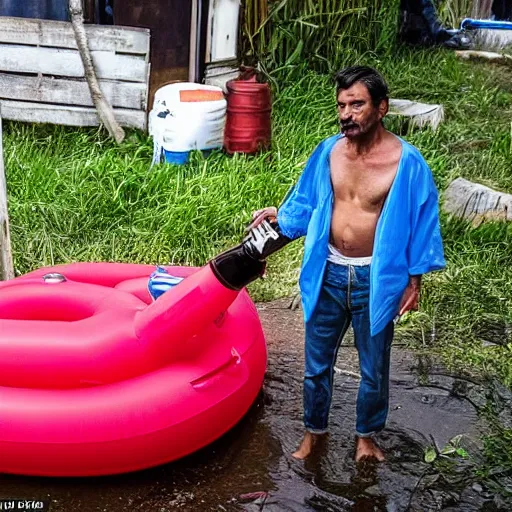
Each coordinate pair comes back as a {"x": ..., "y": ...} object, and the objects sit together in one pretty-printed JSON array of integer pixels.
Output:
[{"x": 179, "y": 126}]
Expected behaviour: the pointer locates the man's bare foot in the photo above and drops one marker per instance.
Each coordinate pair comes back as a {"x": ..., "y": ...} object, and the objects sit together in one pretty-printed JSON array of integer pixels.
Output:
[
  {"x": 307, "y": 445},
  {"x": 367, "y": 449}
]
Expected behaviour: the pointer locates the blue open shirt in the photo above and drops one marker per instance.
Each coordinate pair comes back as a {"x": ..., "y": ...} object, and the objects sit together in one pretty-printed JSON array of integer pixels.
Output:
[{"x": 407, "y": 238}]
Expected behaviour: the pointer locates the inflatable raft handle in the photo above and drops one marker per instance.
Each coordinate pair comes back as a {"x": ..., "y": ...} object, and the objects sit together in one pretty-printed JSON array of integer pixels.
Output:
[{"x": 235, "y": 360}]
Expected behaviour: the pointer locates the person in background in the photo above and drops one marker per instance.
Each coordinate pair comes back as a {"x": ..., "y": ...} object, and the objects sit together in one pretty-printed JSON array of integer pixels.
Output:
[
  {"x": 368, "y": 206},
  {"x": 420, "y": 25}
]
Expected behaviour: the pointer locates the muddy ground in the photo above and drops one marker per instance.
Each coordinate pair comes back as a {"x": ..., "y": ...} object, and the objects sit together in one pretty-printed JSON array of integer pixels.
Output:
[{"x": 250, "y": 468}]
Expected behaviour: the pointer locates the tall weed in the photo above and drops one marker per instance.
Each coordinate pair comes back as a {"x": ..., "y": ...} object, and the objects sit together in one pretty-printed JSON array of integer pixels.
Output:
[
  {"x": 325, "y": 34},
  {"x": 452, "y": 12}
]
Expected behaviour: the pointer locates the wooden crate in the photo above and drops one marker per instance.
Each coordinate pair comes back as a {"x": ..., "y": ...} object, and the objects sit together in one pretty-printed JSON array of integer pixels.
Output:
[{"x": 42, "y": 77}]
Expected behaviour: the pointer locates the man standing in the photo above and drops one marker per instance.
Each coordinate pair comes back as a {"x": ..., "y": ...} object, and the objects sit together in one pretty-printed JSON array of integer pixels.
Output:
[{"x": 368, "y": 206}]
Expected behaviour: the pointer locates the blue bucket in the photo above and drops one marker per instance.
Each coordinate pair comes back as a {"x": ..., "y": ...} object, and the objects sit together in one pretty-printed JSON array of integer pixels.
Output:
[{"x": 176, "y": 157}]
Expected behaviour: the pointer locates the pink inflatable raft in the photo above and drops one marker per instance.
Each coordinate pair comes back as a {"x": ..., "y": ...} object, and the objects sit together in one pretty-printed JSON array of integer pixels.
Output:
[{"x": 97, "y": 379}]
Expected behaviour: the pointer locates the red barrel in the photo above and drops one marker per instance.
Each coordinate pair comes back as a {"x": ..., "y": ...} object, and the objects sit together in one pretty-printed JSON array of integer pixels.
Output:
[{"x": 248, "y": 124}]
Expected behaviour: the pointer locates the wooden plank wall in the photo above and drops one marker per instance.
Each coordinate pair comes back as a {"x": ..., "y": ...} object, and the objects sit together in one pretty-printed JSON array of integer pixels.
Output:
[{"x": 42, "y": 77}]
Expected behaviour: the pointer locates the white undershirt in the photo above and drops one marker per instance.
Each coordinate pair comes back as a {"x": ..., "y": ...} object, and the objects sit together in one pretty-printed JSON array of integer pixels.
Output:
[{"x": 335, "y": 256}]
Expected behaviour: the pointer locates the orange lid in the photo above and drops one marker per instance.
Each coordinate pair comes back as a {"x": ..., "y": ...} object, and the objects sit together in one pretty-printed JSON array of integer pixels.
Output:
[{"x": 194, "y": 95}]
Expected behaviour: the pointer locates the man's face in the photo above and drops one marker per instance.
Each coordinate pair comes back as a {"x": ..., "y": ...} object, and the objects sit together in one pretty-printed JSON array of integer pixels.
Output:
[{"x": 357, "y": 113}]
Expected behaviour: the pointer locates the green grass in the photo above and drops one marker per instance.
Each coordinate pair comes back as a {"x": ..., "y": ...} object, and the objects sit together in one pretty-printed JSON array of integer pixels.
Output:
[
  {"x": 452, "y": 12},
  {"x": 472, "y": 300}
]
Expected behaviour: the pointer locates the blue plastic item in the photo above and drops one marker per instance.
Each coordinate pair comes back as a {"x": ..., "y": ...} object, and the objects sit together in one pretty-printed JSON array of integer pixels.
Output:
[
  {"x": 175, "y": 157},
  {"x": 469, "y": 23},
  {"x": 181, "y": 157},
  {"x": 161, "y": 281}
]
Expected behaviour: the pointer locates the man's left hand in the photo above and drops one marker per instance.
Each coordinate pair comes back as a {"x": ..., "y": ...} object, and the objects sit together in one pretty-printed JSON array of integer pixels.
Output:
[{"x": 411, "y": 296}]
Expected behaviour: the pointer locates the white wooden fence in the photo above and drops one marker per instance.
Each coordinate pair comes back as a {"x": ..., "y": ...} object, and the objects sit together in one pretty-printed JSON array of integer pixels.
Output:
[
  {"x": 42, "y": 76},
  {"x": 6, "y": 267}
]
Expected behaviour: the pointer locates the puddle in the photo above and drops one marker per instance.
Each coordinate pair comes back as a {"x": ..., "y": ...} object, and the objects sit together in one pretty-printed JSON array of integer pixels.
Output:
[{"x": 250, "y": 469}]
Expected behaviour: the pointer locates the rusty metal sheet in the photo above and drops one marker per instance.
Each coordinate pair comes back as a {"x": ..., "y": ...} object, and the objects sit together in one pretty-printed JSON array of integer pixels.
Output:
[{"x": 169, "y": 22}]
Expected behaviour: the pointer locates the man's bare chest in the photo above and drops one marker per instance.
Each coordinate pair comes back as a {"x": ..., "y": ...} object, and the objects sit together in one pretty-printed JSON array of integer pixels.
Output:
[{"x": 365, "y": 183}]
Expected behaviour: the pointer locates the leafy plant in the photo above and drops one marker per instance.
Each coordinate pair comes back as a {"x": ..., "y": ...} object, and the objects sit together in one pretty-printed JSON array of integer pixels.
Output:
[
  {"x": 452, "y": 449},
  {"x": 323, "y": 34}
]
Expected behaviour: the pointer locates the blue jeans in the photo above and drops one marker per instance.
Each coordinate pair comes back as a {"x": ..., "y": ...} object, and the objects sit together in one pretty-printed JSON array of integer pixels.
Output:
[{"x": 344, "y": 298}]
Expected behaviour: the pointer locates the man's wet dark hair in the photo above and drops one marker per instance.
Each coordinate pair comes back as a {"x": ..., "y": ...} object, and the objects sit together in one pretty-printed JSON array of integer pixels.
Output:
[{"x": 370, "y": 77}]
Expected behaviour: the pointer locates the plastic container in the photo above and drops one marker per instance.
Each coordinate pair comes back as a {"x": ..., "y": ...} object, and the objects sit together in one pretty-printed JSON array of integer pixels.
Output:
[
  {"x": 185, "y": 117},
  {"x": 248, "y": 120},
  {"x": 176, "y": 157}
]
